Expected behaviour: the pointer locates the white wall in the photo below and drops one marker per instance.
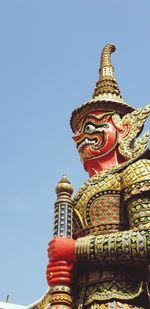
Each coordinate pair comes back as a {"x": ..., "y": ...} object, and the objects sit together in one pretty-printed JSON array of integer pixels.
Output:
[{"x": 4, "y": 305}]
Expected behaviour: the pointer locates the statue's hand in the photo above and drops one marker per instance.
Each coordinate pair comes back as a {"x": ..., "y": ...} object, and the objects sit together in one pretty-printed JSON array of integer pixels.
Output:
[
  {"x": 59, "y": 272},
  {"x": 62, "y": 249}
]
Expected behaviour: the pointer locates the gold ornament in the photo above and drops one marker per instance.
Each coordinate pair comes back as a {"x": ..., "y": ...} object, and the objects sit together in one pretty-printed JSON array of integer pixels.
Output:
[
  {"x": 64, "y": 187},
  {"x": 135, "y": 120}
]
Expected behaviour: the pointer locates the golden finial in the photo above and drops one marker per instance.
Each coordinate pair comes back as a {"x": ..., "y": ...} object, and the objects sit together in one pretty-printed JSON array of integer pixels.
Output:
[
  {"x": 106, "y": 68},
  {"x": 64, "y": 187},
  {"x": 106, "y": 83}
]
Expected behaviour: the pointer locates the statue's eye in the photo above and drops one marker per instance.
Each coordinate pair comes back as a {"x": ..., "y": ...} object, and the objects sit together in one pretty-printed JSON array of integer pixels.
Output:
[{"x": 89, "y": 128}]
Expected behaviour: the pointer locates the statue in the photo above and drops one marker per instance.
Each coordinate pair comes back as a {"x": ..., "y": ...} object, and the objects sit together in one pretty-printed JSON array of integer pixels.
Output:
[{"x": 108, "y": 258}]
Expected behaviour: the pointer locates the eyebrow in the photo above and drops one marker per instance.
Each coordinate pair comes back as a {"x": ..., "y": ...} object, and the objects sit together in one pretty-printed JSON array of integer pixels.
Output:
[
  {"x": 94, "y": 117},
  {"x": 99, "y": 117}
]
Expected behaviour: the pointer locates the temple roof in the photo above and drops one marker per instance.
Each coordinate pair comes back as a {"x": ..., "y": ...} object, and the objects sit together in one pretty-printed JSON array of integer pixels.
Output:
[{"x": 39, "y": 304}]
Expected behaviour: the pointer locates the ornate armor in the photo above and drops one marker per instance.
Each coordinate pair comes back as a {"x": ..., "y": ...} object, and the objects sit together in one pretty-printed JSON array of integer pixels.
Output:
[{"x": 113, "y": 209}]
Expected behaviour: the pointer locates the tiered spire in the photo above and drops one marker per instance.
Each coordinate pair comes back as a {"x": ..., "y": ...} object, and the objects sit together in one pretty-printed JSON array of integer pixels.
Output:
[
  {"x": 106, "y": 96},
  {"x": 106, "y": 83}
]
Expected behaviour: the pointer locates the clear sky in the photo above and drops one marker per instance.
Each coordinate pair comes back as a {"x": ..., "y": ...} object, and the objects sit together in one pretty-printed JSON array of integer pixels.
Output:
[{"x": 49, "y": 60}]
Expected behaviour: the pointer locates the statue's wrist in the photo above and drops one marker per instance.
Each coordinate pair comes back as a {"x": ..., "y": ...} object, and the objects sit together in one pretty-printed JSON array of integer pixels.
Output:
[{"x": 85, "y": 248}]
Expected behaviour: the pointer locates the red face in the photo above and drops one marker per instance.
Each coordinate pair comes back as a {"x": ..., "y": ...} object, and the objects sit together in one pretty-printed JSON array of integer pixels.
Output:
[{"x": 96, "y": 135}]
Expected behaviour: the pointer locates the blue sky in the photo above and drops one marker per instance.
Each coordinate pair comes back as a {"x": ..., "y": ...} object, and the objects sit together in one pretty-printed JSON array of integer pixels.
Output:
[{"x": 49, "y": 60}]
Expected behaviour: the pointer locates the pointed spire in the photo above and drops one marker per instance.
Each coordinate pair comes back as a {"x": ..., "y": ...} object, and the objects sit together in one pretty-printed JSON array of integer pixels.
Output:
[
  {"x": 106, "y": 96},
  {"x": 106, "y": 69},
  {"x": 106, "y": 83}
]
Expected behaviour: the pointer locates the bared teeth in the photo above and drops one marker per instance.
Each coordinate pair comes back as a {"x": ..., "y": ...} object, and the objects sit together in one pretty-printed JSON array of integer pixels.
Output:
[{"x": 85, "y": 142}]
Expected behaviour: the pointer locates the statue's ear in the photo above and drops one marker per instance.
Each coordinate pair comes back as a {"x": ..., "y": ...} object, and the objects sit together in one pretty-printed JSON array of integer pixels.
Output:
[
  {"x": 130, "y": 127},
  {"x": 124, "y": 131},
  {"x": 123, "y": 127}
]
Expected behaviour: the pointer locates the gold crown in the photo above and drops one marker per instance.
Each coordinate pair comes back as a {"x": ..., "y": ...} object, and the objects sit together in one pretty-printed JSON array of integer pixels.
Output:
[{"x": 106, "y": 95}]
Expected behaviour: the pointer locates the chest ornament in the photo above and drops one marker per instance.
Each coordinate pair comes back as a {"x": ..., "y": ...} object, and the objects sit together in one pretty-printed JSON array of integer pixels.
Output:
[{"x": 103, "y": 207}]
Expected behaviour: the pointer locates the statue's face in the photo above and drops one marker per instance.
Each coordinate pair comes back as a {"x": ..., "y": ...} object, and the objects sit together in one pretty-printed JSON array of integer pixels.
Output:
[{"x": 96, "y": 135}]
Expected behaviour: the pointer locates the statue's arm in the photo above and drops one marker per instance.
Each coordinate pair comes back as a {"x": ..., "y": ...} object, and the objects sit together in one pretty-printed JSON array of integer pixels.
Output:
[{"x": 132, "y": 246}]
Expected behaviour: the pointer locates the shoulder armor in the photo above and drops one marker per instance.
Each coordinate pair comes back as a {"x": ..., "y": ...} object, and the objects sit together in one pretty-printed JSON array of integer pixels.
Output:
[
  {"x": 136, "y": 179},
  {"x": 136, "y": 172}
]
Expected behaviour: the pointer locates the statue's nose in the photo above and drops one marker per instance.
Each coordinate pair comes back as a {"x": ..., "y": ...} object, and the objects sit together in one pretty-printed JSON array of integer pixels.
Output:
[{"x": 78, "y": 136}]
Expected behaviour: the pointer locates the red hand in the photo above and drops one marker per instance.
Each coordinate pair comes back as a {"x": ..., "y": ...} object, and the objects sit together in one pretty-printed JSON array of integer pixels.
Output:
[
  {"x": 62, "y": 248},
  {"x": 59, "y": 272}
]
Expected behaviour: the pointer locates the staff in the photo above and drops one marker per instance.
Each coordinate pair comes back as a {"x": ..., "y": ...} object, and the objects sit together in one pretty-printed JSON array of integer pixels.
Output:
[{"x": 63, "y": 213}]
